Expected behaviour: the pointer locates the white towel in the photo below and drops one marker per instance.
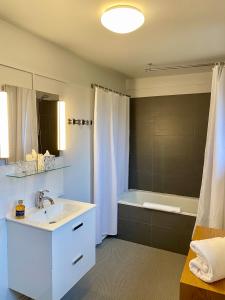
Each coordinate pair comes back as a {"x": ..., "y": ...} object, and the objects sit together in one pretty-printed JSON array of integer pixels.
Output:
[
  {"x": 162, "y": 207},
  {"x": 209, "y": 265}
]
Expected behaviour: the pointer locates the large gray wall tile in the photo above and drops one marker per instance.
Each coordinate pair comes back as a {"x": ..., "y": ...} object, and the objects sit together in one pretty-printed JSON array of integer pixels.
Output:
[{"x": 167, "y": 143}]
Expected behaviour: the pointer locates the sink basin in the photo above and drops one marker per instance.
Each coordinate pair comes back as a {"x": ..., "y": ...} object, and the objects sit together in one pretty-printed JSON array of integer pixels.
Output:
[{"x": 53, "y": 216}]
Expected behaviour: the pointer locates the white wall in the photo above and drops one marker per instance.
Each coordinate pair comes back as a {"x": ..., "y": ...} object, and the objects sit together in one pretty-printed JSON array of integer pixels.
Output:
[
  {"x": 170, "y": 85},
  {"x": 78, "y": 178},
  {"x": 23, "y": 50}
]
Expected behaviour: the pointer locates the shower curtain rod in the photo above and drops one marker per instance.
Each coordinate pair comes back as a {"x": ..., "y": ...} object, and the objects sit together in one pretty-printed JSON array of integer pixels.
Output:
[
  {"x": 150, "y": 67},
  {"x": 107, "y": 89}
]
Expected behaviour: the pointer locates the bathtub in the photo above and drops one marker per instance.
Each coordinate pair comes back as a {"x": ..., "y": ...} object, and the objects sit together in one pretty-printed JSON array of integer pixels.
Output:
[
  {"x": 152, "y": 227},
  {"x": 137, "y": 198}
]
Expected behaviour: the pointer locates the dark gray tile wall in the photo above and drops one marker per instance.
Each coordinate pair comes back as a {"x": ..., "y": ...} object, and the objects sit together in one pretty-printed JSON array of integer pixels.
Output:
[
  {"x": 167, "y": 143},
  {"x": 157, "y": 229}
]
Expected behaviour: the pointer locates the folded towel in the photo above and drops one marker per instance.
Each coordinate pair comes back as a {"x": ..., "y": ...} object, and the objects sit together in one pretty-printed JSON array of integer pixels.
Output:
[
  {"x": 162, "y": 207},
  {"x": 209, "y": 265}
]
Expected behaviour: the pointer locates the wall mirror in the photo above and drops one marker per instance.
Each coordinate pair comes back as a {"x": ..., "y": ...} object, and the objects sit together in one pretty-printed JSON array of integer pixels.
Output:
[
  {"x": 32, "y": 122},
  {"x": 47, "y": 122}
]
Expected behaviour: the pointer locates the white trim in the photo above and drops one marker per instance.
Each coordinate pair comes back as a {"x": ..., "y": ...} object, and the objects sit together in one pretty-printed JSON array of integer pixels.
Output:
[{"x": 170, "y": 85}]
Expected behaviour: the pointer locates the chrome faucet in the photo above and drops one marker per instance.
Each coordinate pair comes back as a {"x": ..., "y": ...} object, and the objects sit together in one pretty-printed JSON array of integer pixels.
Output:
[{"x": 40, "y": 198}]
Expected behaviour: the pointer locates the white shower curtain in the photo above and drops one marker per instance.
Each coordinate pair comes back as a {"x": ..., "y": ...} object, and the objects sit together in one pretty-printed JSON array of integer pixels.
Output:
[
  {"x": 23, "y": 132},
  {"x": 111, "y": 154},
  {"x": 211, "y": 210}
]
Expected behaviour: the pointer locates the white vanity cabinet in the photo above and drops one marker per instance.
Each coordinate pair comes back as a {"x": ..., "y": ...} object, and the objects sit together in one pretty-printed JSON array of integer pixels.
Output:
[{"x": 45, "y": 264}]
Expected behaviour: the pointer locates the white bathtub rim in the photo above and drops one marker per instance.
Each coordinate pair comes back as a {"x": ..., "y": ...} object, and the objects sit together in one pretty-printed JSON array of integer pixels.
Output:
[
  {"x": 170, "y": 212},
  {"x": 123, "y": 200}
]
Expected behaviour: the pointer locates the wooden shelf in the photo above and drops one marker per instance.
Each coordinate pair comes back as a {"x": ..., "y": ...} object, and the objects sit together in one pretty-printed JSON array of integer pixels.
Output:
[{"x": 191, "y": 287}]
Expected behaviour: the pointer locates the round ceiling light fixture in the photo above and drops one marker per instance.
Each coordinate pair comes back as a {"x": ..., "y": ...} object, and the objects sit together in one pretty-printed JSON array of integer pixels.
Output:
[{"x": 122, "y": 19}]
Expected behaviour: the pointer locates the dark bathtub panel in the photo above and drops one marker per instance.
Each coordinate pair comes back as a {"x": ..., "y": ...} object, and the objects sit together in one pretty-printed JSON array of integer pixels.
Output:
[
  {"x": 153, "y": 228},
  {"x": 170, "y": 239},
  {"x": 134, "y": 232},
  {"x": 133, "y": 213},
  {"x": 182, "y": 223}
]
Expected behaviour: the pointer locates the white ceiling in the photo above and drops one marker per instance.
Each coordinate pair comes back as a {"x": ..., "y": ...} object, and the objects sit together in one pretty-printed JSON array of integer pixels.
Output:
[{"x": 175, "y": 31}]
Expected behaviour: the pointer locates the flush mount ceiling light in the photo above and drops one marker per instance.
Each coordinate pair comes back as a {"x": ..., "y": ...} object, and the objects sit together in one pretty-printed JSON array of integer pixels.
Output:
[{"x": 122, "y": 19}]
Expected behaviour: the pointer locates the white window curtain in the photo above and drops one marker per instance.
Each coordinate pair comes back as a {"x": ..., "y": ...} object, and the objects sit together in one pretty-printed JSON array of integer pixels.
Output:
[
  {"x": 211, "y": 210},
  {"x": 23, "y": 132},
  {"x": 111, "y": 155}
]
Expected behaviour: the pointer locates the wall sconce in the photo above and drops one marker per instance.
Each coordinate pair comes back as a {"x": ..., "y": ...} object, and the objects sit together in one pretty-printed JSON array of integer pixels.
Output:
[
  {"x": 4, "y": 126},
  {"x": 61, "y": 125}
]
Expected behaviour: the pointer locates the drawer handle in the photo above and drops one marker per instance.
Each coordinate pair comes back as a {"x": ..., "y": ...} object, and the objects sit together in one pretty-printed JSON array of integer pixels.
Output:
[
  {"x": 77, "y": 259},
  {"x": 77, "y": 226}
]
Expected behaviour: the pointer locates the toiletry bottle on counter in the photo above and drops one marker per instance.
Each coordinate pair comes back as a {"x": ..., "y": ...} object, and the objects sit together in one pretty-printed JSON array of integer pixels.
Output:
[{"x": 20, "y": 210}]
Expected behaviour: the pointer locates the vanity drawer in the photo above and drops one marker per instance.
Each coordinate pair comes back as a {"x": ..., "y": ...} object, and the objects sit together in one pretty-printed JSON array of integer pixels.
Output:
[
  {"x": 73, "y": 235},
  {"x": 67, "y": 275},
  {"x": 73, "y": 252}
]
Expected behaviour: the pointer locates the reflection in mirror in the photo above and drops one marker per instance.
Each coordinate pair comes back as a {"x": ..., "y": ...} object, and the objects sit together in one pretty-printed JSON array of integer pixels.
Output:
[
  {"x": 4, "y": 136},
  {"x": 47, "y": 122},
  {"x": 32, "y": 122},
  {"x": 22, "y": 110}
]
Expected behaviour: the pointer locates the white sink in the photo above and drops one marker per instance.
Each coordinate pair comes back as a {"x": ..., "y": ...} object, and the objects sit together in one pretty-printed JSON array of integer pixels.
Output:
[{"x": 53, "y": 216}]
